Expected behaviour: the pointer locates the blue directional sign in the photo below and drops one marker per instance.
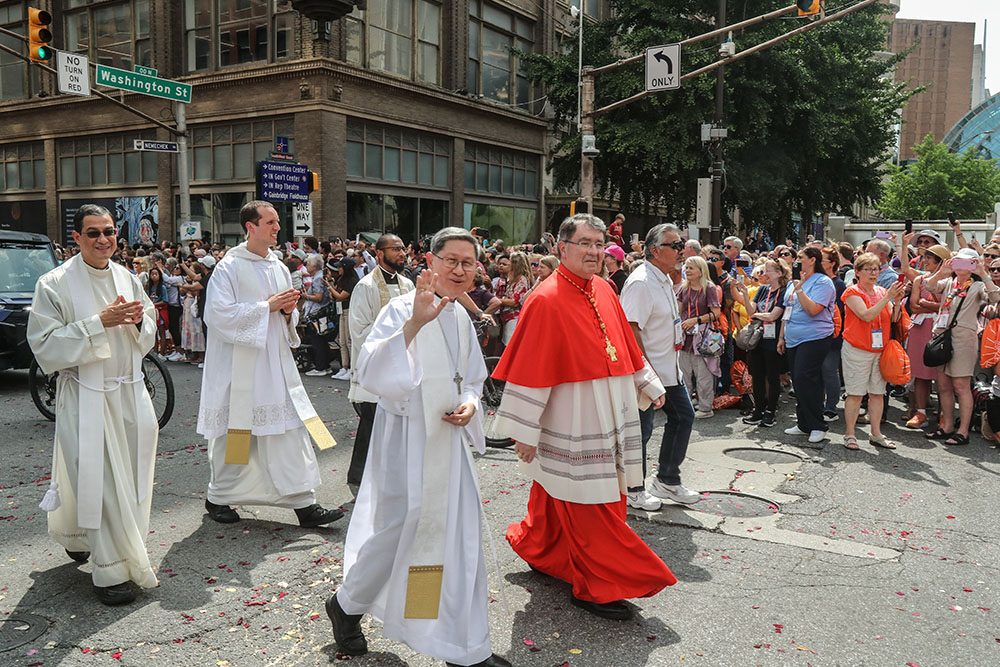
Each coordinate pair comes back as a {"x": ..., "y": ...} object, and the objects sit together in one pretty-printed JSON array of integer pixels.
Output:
[{"x": 283, "y": 182}]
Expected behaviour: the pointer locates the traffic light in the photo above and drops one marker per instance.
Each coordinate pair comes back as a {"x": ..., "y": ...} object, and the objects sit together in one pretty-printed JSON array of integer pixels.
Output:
[
  {"x": 312, "y": 178},
  {"x": 578, "y": 206},
  {"x": 39, "y": 35},
  {"x": 808, "y": 7}
]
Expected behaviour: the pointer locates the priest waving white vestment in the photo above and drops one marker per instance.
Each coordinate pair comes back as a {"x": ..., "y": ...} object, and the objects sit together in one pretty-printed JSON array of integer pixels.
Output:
[{"x": 413, "y": 555}]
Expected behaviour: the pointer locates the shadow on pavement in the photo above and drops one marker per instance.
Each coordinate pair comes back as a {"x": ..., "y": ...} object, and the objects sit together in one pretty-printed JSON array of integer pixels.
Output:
[
  {"x": 549, "y": 606},
  {"x": 64, "y": 595},
  {"x": 221, "y": 555},
  {"x": 380, "y": 658}
]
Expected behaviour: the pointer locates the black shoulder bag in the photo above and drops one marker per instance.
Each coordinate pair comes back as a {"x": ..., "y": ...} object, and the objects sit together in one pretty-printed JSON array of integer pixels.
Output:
[{"x": 938, "y": 350}]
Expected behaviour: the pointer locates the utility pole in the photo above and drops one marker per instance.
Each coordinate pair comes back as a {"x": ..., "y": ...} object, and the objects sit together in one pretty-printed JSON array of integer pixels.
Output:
[
  {"x": 587, "y": 155},
  {"x": 183, "y": 176},
  {"x": 718, "y": 166}
]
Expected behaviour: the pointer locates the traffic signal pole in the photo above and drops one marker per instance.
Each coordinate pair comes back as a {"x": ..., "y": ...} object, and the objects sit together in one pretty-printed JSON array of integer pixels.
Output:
[
  {"x": 144, "y": 116},
  {"x": 718, "y": 166},
  {"x": 589, "y": 113}
]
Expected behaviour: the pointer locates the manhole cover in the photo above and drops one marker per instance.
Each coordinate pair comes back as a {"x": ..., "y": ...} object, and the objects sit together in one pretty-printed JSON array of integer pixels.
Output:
[
  {"x": 761, "y": 455},
  {"x": 19, "y": 630},
  {"x": 735, "y": 504}
]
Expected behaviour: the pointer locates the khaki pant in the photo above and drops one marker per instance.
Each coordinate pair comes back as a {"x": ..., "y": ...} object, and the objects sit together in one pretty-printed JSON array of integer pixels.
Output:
[{"x": 697, "y": 376}]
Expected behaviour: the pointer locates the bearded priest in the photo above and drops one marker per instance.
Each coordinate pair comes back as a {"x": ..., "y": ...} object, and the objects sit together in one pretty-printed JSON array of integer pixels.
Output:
[
  {"x": 254, "y": 411},
  {"x": 575, "y": 382},
  {"x": 92, "y": 322},
  {"x": 413, "y": 557}
]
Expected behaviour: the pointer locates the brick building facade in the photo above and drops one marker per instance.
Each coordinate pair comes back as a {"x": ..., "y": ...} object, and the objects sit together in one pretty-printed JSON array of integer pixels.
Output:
[
  {"x": 942, "y": 60},
  {"x": 415, "y": 113}
]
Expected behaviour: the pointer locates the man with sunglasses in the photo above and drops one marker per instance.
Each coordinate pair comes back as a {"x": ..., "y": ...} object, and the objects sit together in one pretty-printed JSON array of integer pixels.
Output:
[
  {"x": 92, "y": 322},
  {"x": 653, "y": 313}
]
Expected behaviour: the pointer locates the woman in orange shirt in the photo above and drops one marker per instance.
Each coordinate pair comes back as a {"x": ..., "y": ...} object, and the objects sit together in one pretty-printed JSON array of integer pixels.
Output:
[{"x": 867, "y": 325}]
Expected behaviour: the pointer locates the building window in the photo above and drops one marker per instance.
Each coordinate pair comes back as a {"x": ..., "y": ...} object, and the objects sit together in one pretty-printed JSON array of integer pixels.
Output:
[
  {"x": 402, "y": 37},
  {"x": 110, "y": 33},
  {"x": 387, "y": 153},
  {"x": 22, "y": 167},
  {"x": 243, "y": 31},
  {"x": 512, "y": 224},
  {"x": 495, "y": 71},
  {"x": 17, "y": 79},
  {"x": 231, "y": 151},
  {"x": 105, "y": 160},
  {"x": 499, "y": 171},
  {"x": 409, "y": 218}
]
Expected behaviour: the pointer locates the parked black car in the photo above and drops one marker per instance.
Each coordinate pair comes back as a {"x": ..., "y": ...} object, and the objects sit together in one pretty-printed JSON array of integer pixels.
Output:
[{"x": 24, "y": 257}]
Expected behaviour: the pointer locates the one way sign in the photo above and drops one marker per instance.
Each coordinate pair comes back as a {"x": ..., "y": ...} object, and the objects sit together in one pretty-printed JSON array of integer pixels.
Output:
[
  {"x": 663, "y": 67},
  {"x": 302, "y": 223}
]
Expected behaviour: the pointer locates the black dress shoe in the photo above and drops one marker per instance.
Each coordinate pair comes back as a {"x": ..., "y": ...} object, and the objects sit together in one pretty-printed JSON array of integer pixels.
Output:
[
  {"x": 492, "y": 661},
  {"x": 221, "y": 513},
  {"x": 317, "y": 515},
  {"x": 615, "y": 611},
  {"x": 115, "y": 595},
  {"x": 79, "y": 556},
  {"x": 346, "y": 629}
]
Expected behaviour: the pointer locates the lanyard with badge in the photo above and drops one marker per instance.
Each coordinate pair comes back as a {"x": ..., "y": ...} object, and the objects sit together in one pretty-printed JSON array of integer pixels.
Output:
[
  {"x": 944, "y": 314},
  {"x": 877, "y": 340},
  {"x": 770, "y": 328},
  {"x": 675, "y": 312}
]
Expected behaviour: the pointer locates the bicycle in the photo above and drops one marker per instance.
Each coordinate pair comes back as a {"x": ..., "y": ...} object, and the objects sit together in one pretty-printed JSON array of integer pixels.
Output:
[{"x": 155, "y": 375}]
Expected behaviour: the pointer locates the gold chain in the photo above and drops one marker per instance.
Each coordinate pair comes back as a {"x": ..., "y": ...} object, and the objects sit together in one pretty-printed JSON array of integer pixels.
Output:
[{"x": 608, "y": 347}]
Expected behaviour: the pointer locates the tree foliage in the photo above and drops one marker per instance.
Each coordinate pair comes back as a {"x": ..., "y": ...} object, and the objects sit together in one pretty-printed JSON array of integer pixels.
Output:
[
  {"x": 940, "y": 182},
  {"x": 810, "y": 120}
]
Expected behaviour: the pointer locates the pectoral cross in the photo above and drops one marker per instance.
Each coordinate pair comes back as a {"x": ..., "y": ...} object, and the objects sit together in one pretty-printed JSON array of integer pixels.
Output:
[
  {"x": 610, "y": 349},
  {"x": 458, "y": 382}
]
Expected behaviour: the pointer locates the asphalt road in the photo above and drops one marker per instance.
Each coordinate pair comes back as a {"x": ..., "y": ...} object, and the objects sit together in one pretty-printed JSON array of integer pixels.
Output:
[{"x": 874, "y": 557}]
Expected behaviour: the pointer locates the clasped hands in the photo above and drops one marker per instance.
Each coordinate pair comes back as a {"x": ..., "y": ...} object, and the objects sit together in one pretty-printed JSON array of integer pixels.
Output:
[
  {"x": 284, "y": 301},
  {"x": 121, "y": 312}
]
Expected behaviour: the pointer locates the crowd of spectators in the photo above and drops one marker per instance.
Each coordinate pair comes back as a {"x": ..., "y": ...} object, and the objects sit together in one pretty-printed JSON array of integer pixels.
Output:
[{"x": 819, "y": 317}]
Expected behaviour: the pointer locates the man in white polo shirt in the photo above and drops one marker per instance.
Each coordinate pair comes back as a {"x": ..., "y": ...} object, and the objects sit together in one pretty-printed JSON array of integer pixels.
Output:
[{"x": 651, "y": 308}]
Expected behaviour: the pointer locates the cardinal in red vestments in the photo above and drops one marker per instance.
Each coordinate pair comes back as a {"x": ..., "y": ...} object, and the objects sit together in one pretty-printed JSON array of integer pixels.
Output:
[{"x": 575, "y": 382}]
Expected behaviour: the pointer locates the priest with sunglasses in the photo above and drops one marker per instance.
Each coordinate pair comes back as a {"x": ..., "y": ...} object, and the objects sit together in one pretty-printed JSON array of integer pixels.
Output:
[{"x": 92, "y": 322}]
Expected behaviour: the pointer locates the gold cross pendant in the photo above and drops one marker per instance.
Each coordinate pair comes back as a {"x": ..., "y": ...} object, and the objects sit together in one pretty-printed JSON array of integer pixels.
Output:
[{"x": 610, "y": 349}]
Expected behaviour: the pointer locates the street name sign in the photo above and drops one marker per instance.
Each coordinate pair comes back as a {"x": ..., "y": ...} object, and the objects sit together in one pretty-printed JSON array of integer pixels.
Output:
[
  {"x": 142, "y": 69},
  {"x": 283, "y": 157},
  {"x": 663, "y": 67},
  {"x": 283, "y": 182},
  {"x": 303, "y": 219},
  {"x": 74, "y": 73},
  {"x": 141, "y": 83},
  {"x": 159, "y": 146}
]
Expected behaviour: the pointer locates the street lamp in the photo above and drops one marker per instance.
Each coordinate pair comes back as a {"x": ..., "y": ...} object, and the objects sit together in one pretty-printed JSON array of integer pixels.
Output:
[{"x": 577, "y": 13}]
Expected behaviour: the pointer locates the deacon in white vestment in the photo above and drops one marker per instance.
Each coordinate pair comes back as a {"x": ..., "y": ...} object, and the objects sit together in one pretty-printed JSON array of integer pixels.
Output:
[
  {"x": 413, "y": 556},
  {"x": 254, "y": 411},
  {"x": 368, "y": 298},
  {"x": 92, "y": 322}
]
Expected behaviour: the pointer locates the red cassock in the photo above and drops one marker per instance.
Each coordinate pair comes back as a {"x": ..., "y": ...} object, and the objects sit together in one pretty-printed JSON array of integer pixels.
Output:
[{"x": 558, "y": 340}]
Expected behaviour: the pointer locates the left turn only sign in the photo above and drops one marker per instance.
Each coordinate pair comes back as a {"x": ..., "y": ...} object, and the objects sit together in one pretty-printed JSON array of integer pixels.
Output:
[
  {"x": 663, "y": 67},
  {"x": 74, "y": 73}
]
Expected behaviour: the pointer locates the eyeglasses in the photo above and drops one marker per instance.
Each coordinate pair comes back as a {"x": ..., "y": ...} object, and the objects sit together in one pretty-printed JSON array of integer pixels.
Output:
[
  {"x": 728, "y": 247},
  {"x": 714, "y": 258},
  {"x": 989, "y": 256},
  {"x": 673, "y": 245},
  {"x": 587, "y": 246},
  {"x": 534, "y": 264},
  {"x": 925, "y": 241},
  {"x": 97, "y": 233},
  {"x": 870, "y": 269},
  {"x": 451, "y": 263},
  {"x": 784, "y": 254}
]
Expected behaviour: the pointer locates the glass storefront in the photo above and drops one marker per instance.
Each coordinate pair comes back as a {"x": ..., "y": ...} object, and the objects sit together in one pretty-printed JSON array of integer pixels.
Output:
[
  {"x": 513, "y": 224},
  {"x": 408, "y": 217}
]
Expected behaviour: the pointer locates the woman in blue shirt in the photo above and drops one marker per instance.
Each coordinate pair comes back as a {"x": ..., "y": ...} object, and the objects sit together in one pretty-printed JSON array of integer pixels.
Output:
[{"x": 805, "y": 340}]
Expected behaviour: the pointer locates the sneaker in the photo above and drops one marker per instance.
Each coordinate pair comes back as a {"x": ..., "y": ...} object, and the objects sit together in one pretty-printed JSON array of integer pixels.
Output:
[
  {"x": 176, "y": 356},
  {"x": 201, "y": 365},
  {"x": 795, "y": 430},
  {"x": 641, "y": 500},
  {"x": 676, "y": 493},
  {"x": 768, "y": 420},
  {"x": 830, "y": 416},
  {"x": 317, "y": 372},
  {"x": 342, "y": 374},
  {"x": 703, "y": 414},
  {"x": 919, "y": 420},
  {"x": 753, "y": 419},
  {"x": 817, "y": 436}
]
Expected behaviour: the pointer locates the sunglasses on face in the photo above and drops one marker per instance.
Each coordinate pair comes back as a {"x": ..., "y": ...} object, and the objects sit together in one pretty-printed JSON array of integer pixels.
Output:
[
  {"x": 97, "y": 233},
  {"x": 784, "y": 254},
  {"x": 994, "y": 268},
  {"x": 989, "y": 256},
  {"x": 713, "y": 258},
  {"x": 673, "y": 245},
  {"x": 728, "y": 247}
]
